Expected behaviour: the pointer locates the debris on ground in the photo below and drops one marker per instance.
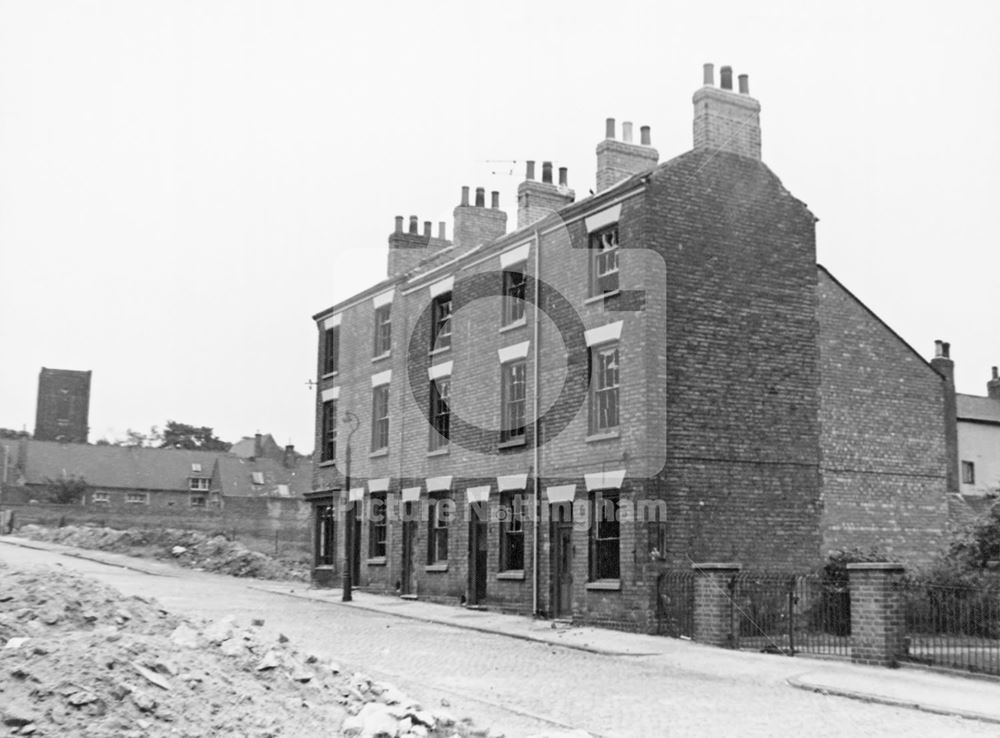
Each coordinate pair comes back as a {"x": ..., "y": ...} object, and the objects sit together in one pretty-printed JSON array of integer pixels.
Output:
[
  {"x": 79, "y": 658},
  {"x": 193, "y": 549}
]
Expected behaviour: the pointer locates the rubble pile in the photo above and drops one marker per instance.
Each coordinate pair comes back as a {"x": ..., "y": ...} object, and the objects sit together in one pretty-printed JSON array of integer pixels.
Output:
[
  {"x": 78, "y": 658},
  {"x": 192, "y": 549}
]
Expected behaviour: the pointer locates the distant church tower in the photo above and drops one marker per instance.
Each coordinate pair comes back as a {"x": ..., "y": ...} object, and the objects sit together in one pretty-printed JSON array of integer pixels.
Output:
[{"x": 63, "y": 405}]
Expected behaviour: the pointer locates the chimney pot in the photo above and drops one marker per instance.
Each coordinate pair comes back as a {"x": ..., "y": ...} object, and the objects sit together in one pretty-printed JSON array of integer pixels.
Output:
[
  {"x": 744, "y": 84},
  {"x": 399, "y": 224},
  {"x": 441, "y": 231},
  {"x": 413, "y": 224},
  {"x": 547, "y": 172},
  {"x": 465, "y": 196},
  {"x": 627, "y": 131},
  {"x": 480, "y": 197},
  {"x": 937, "y": 348},
  {"x": 495, "y": 200},
  {"x": 644, "y": 137},
  {"x": 609, "y": 128},
  {"x": 427, "y": 229},
  {"x": 726, "y": 78},
  {"x": 530, "y": 170},
  {"x": 563, "y": 177},
  {"x": 709, "y": 75},
  {"x": 995, "y": 375},
  {"x": 946, "y": 350}
]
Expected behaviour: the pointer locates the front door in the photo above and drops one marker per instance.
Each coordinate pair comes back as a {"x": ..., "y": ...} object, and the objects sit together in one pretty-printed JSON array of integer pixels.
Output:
[
  {"x": 409, "y": 535},
  {"x": 477, "y": 555},
  {"x": 562, "y": 560}
]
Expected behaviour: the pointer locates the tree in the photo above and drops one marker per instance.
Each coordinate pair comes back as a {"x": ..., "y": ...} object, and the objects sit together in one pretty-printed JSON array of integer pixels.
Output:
[
  {"x": 138, "y": 439},
  {"x": 8, "y": 433},
  {"x": 980, "y": 547},
  {"x": 196, "y": 438},
  {"x": 67, "y": 490}
]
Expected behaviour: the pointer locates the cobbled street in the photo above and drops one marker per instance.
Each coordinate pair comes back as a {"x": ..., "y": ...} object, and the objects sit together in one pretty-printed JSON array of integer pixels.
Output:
[{"x": 521, "y": 687}]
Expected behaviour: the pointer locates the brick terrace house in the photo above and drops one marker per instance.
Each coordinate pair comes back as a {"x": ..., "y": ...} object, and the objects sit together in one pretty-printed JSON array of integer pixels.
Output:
[{"x": 689, "y": 372}]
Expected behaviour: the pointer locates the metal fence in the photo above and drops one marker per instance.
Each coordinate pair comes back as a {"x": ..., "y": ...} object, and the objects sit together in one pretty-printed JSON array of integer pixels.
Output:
[
  {"x": 953, "y": 626},
  {"x": 675, "y": 604}
]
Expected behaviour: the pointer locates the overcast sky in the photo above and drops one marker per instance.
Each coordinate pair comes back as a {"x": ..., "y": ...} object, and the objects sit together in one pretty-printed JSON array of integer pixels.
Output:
[{"x": 184, "y": 184}]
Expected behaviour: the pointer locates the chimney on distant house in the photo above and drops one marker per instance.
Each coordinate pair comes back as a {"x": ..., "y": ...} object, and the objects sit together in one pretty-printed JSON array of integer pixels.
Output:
[
  {"x": 477, "y": 224},
  {"x": 725, "y": 120},
  {"x": 620, "y": 159},
  {"x": 946, "y": 368},
  {"x": 537, "y": 199},
  {"x": 288, "y": 458},
  {"x": 409, "y": 247},
  {"x": 258, "y": 445},
  {"x": 993, "y": 386}
]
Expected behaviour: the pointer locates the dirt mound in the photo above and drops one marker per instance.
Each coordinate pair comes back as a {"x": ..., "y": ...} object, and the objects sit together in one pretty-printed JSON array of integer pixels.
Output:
[
  {"x": 192, "y": 549},
  {"x": 77, "y": 658}
]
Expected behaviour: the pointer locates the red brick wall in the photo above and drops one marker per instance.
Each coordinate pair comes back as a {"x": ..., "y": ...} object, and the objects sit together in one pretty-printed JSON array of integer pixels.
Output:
[{"x": 884, "y": 466}]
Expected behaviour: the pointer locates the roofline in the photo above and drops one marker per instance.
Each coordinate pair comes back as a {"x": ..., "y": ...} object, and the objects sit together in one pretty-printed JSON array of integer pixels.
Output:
[
  {"x": 885, "y": 325},
  {"x": 978, "y": 421}
]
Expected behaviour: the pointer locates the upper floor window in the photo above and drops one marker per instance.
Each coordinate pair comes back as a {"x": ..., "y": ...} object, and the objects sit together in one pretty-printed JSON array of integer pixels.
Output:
[
  {"x": 968, "y": 472},
  {"x": 604, "y": 377},
  {"x": 383, "y": 330},
  {"x": 512, "y": 400},
  {"x": 514, "y": 282},
  {"x": 199, "y": 484},
  {"x": 441, "y": 322},
  {"x": 380, "y": 417},
  {"x": 440, "y": 412},
  {"x": 605, "y": 535},
  {"x": 331, "y": 350},
  {"x": 328, "y": 430},
  {"x": 604, "y": 261}
]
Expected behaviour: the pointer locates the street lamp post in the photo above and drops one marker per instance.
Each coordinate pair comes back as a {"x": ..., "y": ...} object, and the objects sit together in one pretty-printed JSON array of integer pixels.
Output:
[{"x": 347, "y": 582}]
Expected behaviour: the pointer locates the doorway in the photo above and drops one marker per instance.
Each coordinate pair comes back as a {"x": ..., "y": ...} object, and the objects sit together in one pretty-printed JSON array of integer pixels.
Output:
[
  {"x": 409, "y": 538},
  {"x": 561, "y": 536},
  {"x": 478, "y": 542}
]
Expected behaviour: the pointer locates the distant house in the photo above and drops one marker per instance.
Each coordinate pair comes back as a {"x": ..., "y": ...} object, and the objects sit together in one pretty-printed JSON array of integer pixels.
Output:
[
  {"x": 978, "y": 420},
  {"x": 258, "y": 446}
]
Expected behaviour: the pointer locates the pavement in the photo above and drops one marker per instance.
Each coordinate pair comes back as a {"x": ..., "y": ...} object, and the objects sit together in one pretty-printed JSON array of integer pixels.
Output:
[{"x": 917, "y": 688}]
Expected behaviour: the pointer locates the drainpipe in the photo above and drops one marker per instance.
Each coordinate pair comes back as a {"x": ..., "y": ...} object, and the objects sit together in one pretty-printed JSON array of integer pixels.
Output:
[{"x": 536, "y": 450}]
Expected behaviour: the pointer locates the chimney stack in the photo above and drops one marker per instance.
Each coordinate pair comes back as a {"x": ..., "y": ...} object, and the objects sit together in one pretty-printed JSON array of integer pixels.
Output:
[
  {"x": 536, "y": 200},
  {"x": 477, "y": 224},
  {"x": 427, "y": 230},
  {"x": 618, "y": 160},
  {"x": 407, "y": 248},
  {"x": 725, "y": 120},
  {"x": 946, "y": 368},
  {"x": 288, "y": 458},
  {"x": 993, "y": 386},
  {"x": 413, "y": 224}
]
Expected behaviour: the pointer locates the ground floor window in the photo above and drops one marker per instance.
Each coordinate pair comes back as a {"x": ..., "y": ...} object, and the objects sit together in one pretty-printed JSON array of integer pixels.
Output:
[
  {"x": 511, "y": 531},
  {"x": 136, "y": 498},
  {"x": 605, "y": 536},
  {"x": 198, "y": 501},
  {"x": 438, "y": 514},
  {"x": 377, "y": 526},
  {"x": 325, "y": 534}
]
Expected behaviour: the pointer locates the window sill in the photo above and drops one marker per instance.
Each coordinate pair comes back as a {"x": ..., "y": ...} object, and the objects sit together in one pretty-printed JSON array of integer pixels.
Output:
[
  {"x": 325, "y": 567},
  {"x": 436, "y": 568},
  {"x": 512, "y": 443},
  {"x": 376, "y": 561},
  {"x": 514, "y": 326},
  {"x": 330, "y": 375},
  {"x": 601, "y": 297},
  {"x": 438, "y": 351},
  {"x": 440, "y": 451},
  {"x": 324, "y": 464},
  {"x": 608, "y": 585},
  {"x": 386, "y": 355},
  {"x": 606, "y": 436},
  {"x": 377, "y": 454},
  {"x": 514, "y": 574}
]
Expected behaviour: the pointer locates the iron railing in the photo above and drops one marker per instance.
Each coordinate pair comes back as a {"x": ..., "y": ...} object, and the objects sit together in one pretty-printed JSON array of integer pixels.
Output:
[
  {"x": 675, "y": 604},
  {"x": 953, "y": 626}
]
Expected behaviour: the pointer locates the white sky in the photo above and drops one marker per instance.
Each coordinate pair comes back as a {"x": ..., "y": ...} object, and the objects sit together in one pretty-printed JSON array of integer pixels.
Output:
[{"x": 183, "y": 184}]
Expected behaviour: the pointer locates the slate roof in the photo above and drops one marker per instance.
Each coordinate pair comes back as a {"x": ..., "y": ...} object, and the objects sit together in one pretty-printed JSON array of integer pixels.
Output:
[
  {"x": 974, "y": 407},
  {"x": 115, "y": 466},
  {"x": 246, "y": 447},
  {"x": 237, "y": 477}
]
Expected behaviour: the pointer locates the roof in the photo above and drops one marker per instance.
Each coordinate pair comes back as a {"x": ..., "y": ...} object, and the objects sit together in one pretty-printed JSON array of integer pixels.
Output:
[
  {"x": 263, "y": 477},
  {"x": 115, "y": 466},
  {"x": 246, "y": 447},
  {"x": 978, "y": 409}
]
